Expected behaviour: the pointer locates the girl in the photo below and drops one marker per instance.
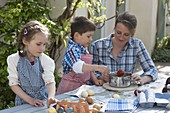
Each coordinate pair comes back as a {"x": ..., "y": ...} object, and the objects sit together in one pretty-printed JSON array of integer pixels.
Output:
[{"x": 31, "y": 72}]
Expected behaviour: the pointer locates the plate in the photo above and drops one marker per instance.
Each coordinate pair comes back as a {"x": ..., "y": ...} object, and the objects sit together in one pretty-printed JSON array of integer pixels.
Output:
[
  {"x": 108, "y": 87},
  {"x": 78, "y": 91}
]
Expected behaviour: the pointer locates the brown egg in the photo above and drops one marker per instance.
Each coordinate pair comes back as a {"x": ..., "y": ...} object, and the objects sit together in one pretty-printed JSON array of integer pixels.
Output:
[
  {"x": 98, "y": 107},
  {"x": 94, "y": 110},
  {"x": 90, "y": 100},
  {"x": 66, "y": 100}
]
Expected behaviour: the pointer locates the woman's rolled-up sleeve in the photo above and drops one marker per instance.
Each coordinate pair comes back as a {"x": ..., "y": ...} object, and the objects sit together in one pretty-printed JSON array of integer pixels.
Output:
[{"x": 146, "y": 62}]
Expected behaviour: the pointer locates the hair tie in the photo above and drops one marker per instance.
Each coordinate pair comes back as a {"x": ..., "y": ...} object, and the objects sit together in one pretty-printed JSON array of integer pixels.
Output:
[{"x": 25, "y": 31}]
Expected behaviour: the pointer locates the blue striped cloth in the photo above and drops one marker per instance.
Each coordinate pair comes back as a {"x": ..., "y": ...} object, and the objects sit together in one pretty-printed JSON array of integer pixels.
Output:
[{"x": 121, "y": 105}]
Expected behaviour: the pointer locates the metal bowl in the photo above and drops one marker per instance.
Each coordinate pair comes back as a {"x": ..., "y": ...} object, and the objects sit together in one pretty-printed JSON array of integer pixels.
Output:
[{"x": 120, "y": 81}]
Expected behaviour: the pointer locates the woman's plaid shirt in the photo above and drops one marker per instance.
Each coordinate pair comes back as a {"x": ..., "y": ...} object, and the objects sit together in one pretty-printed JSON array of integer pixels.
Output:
[{"x": 133, "y": 52}]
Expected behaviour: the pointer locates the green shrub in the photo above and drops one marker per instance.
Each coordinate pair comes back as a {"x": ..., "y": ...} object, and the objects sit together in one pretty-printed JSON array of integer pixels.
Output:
[
  {"x": 161, "y": 52},
  {"x": 17, "y": 13},
  {"x": 13, "y": 15}
]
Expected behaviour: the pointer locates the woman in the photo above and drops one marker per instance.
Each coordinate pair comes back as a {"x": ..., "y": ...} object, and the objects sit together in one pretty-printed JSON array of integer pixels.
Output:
[{"x": 121, "y": 51}]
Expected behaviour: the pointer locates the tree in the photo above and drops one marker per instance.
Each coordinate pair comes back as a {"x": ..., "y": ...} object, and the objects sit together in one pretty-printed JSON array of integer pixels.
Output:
[{"x": 16, "y": 13}]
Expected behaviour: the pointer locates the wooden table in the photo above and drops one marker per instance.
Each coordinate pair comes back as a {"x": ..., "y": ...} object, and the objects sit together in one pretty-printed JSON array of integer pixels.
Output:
[{"x": 101, "y": 95}]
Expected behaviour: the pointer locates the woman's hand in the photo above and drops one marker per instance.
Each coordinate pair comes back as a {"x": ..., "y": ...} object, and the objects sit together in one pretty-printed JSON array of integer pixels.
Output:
[
  {"x": 36, "y": 102},
  {"x": 137, "y": 78},
  {"x": 51, "y": 101}
]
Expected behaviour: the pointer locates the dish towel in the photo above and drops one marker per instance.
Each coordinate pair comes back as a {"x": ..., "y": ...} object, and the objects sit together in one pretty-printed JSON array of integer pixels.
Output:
[{"x": 121, "y": 105}]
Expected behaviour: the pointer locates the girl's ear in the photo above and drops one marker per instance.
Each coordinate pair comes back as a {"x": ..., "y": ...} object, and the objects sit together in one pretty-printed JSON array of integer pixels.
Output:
[{"x": 24, "y": 41}]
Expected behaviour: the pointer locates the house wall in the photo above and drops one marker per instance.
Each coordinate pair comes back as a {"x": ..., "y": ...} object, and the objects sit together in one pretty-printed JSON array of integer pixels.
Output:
[
  {"x": 167, "y": 23},
  {"x": 146, "y": 13},
  {"x": 110, "y": 11}
]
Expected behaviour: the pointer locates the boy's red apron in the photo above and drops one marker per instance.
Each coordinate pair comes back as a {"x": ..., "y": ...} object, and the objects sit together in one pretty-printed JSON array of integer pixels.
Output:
[{"x": 72, "y": 80}]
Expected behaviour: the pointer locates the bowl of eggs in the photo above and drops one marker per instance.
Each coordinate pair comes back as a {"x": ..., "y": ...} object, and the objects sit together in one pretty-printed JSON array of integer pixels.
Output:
[{"x": 120, "y": 79}]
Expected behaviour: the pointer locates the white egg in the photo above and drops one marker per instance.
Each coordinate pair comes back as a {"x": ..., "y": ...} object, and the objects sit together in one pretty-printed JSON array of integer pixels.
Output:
[
  {"x": 84, "y": 94},
  {"x": 116, "y": 96},
  {"x": 90, "y": 92}
]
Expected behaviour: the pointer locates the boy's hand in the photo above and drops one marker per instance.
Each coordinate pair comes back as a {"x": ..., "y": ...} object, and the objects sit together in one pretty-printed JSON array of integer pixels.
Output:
[
  {"x": 105, "y": 78},
  {"x": 103, "y": 69},
  {"x": 98, "y": 82}
]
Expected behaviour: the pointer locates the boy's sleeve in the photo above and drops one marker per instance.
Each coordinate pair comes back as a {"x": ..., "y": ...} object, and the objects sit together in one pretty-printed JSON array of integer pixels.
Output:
[{"x": 72, "y": 56}]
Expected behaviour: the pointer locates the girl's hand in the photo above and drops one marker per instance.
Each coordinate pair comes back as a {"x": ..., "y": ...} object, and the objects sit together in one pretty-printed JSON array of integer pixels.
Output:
[
  {"x": 51, "y": 101},
  {"x": 137, "y": 78},
  {"x": 98, "y": 82},
  {"x": 37, "y": 102}
]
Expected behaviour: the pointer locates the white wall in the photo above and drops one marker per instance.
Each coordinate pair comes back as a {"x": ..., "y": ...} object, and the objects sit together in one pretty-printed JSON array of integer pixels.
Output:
[
  {"x": 167, "y": 22},
  {"x": 81, "y": 11},
  {"x": 146, "y": 13},
  {"x": 111, "y": 11}
]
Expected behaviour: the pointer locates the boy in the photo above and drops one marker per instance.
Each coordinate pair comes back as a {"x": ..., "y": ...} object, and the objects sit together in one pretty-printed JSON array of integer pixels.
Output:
[{"x": 77, "y": 67}]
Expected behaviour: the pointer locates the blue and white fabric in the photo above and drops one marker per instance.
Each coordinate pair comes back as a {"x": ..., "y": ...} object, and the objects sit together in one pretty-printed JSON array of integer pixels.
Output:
[
  {"x": 133, "y": 52},
  {"x": 121, "y": 105},
  {"x": 30, "y": 80},
  {"x": 72, "y": 55}
]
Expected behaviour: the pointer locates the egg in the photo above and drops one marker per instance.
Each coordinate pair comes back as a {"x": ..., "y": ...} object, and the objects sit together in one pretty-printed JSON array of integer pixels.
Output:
[
  {"x": 52, "y": 110},
  {"x": 94, "y": 110},
  {"x": 90, "y": 100},
  {"x": 90, "y": 92},
  {"x": 66, "y": 100},
  {"x": 84, "y": 94},
  {"x": 60, "y": 110},
  {"x": 116, "y": 96},
  {"x": 96, "y": 106},
  {"x": 70, "y": 110}
]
